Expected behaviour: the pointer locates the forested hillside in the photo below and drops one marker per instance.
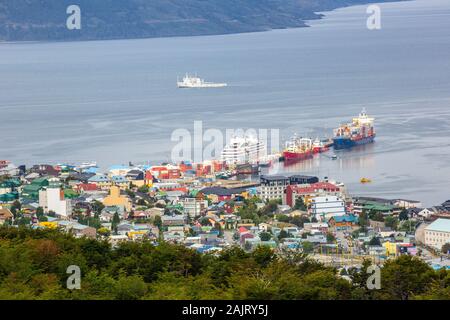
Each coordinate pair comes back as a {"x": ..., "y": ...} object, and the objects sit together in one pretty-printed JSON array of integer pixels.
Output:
[
  {"x": 113, "y": 19},
  {"x": 33, "y": 265}
]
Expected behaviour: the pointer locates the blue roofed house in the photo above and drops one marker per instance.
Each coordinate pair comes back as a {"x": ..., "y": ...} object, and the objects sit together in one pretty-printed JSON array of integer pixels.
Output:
[
  {"x": 121, "y": 182},
  {"x": 344, "y": 222}
]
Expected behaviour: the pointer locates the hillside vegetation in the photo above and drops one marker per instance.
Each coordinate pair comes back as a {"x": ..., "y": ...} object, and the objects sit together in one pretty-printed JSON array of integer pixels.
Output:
[
  {"x": 33, "y": 265},
  {"x": 118, "y": 19}
]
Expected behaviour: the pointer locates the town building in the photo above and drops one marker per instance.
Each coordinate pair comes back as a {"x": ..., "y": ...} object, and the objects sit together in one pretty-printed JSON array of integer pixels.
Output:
[
  {"x": 101, "y": 181},
  {"x": 273, "y": 187},
  {"x": 116, "y": 199},
  {"x": 52, "y": 199},
  {"x": 308, "y": 191},
  {"x": 437, "y": 233},
  {"x": 325, "y": 207},
  {"x": 194, "y": 207},
  {"x": 5, "y": 215}
]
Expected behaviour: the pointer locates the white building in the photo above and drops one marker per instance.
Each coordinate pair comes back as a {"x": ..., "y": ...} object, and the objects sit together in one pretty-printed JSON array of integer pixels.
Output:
[
  {"x": 438, "y": 233},
  {"x": 323, "y": 208},
  {"x": 425, "y": 213},
  {"x": 7, "y": 168},
  {"x": 52, "y": 199},
  {"x": 194, "y": 207},
  {"x": 273, "y": 188}
]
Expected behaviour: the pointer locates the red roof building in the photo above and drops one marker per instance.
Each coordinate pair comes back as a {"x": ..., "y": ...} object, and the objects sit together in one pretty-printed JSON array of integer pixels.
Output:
[
  {"x": 314, "y": 189},
  {"x": 86, "y": 187}
]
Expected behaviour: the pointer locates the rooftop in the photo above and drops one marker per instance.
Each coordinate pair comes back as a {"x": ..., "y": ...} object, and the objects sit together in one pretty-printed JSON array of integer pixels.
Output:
[{"x": 440, "y": 225}]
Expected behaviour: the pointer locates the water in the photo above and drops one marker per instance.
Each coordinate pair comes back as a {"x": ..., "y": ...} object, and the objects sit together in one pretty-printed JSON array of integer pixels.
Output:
[{"x": 116, "y": 101}]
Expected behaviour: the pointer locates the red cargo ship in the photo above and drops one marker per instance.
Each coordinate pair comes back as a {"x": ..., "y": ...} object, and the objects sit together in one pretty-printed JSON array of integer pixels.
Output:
[{"x": 298, "y": 149}]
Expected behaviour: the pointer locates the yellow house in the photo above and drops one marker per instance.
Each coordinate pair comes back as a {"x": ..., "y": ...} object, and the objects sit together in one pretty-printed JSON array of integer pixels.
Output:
[
  {"x": 48, "y": 224},
  {"x": 391, "y": 248},
  {"x": 116, "y": 199}
]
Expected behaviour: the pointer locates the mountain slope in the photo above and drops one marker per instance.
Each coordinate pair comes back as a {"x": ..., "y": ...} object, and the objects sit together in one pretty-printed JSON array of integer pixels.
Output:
[{"x": 115, "y": 19}]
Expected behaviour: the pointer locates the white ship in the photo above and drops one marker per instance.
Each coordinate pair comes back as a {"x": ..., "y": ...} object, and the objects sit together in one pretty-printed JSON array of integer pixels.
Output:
[
  {"x": 196, "y": 82},
  {"x": 88, "y": 164},
  {"x": 241, "y": 150}
]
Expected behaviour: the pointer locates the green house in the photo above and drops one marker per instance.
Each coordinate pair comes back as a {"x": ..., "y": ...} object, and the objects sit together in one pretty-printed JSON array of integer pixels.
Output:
[
  {"x": 9, "y": 197},
  {"x": 31, "y": 191}
]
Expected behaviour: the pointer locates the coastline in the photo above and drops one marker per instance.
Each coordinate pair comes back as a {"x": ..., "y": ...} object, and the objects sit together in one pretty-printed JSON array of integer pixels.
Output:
[{"x": 318, "y": 15}]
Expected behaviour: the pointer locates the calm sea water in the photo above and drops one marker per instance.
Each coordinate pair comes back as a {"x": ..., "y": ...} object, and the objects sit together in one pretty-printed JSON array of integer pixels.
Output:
[{"x": 116, "y": 101}]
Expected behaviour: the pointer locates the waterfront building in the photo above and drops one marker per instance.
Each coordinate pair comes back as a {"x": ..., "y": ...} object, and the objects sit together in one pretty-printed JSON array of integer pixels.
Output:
[
  {"x": 308, "y": 191},
  {"x": 273, "y": 187}
]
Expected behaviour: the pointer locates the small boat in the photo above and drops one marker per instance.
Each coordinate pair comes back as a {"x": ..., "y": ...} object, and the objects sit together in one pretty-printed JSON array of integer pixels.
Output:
[
  {"x": 334, "y": 157},
  {"x": 87, "y": 165},
  {"x": 196, "y": 82},
  {"x": 365, "y": 180}
]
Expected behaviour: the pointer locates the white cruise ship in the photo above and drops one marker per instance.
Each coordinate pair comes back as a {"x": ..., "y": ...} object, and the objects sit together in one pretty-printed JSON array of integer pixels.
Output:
[
  {"x": 241, "y": 150},
  {"x": 196, "y": 82}
]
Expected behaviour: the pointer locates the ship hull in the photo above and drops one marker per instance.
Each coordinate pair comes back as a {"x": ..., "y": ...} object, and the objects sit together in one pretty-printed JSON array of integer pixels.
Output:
[
  {"x": 204, "y": 85},
  {"x": 345, "y": 143},
  {"x": 320, "y": 149},
  {"x": 289, "y": 156}
]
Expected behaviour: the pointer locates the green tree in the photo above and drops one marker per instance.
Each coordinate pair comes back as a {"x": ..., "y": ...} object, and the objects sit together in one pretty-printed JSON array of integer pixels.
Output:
[
  {"x": 299, "y": 221},
  {"x": 115, "y": 221},
  {"x": 97, "y": 206},
  {"x": 141, "y": 202},
  {"x": 307, "y": 246},
  {"x": 130, "y": 288},
  {"x": 158, "y": 222},
  {"x": 300, "y": 204},
  {"x": 218, "y": 227},
  {"x": 403, "y": 215},
  {"x": 283, "y": 218},
  {"x": 283, "y": 234},
  {"x": 143, "y": 189},
  {"x": 391, "y": 222},
  {"x": 130, "y": 193},
  {"x": 263, "y": 256},
  {"x": 446, "y": 248},
  {"x": 405, "y": 277},
  {"x": 407, "y": 225},
  {"x": 330, "y": 237},
  {"x": 104, "y": 231},
  {"x": 39, "y": 211},
  {"x": 375, "y": 241},
  {"x": 363, "y": 219},
  {"x": 265, "y": 236},
  {"x": 270, "y": 207},
  {"x": 205, "y": 221}
]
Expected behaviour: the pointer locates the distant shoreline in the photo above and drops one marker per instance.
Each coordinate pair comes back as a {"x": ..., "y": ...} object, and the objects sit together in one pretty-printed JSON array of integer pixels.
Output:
[{"x": 290, "y": 22}]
